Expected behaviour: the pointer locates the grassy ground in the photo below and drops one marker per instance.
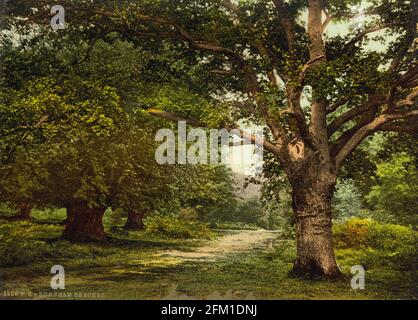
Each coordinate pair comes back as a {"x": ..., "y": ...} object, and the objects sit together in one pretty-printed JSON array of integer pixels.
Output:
[{"x": 134, "y": 266}]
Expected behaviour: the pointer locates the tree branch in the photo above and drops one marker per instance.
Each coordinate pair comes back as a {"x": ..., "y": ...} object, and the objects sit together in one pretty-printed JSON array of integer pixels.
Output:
[
  {"x": 410, "y": 39},
  {"x": 373, "y": 101},
  {"x": 368, "y": 129},
  {"x": 309, "y": 65},
  {"x": 287, "y": 24},
  {"x": 404, "y": 127},
  {"x": 318, "y": 127},
  {"x": 328, "y": 19},
  {"x": 261, "y": 48},
  {"x": 251, "y": 76},
  {"x": 365, "y": 32},
  {"x": 332, "y": 108},
  {"x": 407, "y": 77},
  {"x": 408, "y": 101},
  {"x": 197, "y": 123}
]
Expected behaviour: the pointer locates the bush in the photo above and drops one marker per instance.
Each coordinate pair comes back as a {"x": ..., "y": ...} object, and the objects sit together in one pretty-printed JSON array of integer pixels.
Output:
[
  {"x": 173, "y": 227},
  {"x": 115, "y": 218},
  {"x": 48, "y": 214},
  {"x": 17, "y": 246},
  {"x": 352, "y": 234},
  {"x": 380, "y": 244},
  {"x": 188, "y": 214},
  {"x": 233, "y": 226},
  {"x": 7, "y": 210}
]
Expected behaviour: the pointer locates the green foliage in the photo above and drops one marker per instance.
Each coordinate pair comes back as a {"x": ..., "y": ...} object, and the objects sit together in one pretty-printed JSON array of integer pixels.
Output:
[
  {"x": 352, "y": 233},
  {"x": 113, "y": 262},
  {"x": 114, "y": 218},
  {"x": 379, "y": 244},
  {"x": 249, "y": 211},
  {"x": 174, "y": 227},
  {"x": 49, "y": 214},
  {"x": 7, "y": 210},
  {"x": 347, "y": 200},
  {"x": 84, "y": 150},
  {"x": 397, "y": 189},
  {"x": 209, "y": 189},
  {"x": 236, "y": 225},
  {"x": 25, "y": 243},
  {"x": 184, "y": 102},
  {"x": 278, "y": 212},
  {"x": 18, "y": 244}
]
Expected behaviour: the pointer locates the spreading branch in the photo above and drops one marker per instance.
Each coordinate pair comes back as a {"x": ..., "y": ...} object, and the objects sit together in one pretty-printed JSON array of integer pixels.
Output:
[
  {"x": 409, "y": 100},
  {"x": 360, "y": 36},
  {"x": 368, "y": 129},
  {"x": 197, "y": 123},
  {"x": 373, "y": 101},
  {"x": 328, "y": 19},
  {"x": 402, "y": 127}
]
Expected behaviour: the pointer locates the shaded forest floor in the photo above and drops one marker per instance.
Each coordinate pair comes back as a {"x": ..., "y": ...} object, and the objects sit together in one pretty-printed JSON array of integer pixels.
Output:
[{"x": 239, "y": 264}]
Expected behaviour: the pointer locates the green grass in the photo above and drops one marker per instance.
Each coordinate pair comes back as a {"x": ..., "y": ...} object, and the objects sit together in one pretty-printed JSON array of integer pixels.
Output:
[{"x": 132, "y": 266}]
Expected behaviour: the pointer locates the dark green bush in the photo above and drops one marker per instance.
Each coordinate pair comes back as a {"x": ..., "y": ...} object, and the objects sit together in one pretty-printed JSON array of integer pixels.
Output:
[
  {"x": 379, "y": 244},
  {"x": 174, "y": 227},
  {"x": 7, "y": 210},
  {"x": 17, "y": 246}
]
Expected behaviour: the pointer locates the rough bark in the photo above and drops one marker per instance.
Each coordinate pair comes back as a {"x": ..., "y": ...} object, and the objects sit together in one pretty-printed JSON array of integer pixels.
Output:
[
  {"x": 312, "y": 208},
  {"x": 84, "y": 224},
  {"x": 24, "y": 211},
  {"x": 135, "y": 220}
]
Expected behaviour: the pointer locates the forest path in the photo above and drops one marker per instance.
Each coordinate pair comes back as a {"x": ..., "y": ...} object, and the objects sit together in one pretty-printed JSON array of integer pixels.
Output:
[{"x": 231, "y": 241}]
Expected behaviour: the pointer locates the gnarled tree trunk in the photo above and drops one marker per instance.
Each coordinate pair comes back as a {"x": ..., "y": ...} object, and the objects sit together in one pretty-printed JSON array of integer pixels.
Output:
[
  {"x": 135, "y": 220},
  {"x": 25, "y": 210},
  {"x": 311, "y": 201},
  {"x": 84, "y": 224}
]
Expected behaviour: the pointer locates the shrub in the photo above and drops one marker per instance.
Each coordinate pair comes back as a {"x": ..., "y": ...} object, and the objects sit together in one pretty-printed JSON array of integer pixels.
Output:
[
  {"x": 7, "y": 210},
  {"x": 379, "y": 244},
  {"x": 114, "y": 218},
  {"x": 189, "y": 214},
  {"x": 352, "y": 234},
  {"x": 49, "y": 214},
  {"x": 17, "y": 246},
  {"x": 171, "y": 226},
  {"x": 233, "y": 226}
]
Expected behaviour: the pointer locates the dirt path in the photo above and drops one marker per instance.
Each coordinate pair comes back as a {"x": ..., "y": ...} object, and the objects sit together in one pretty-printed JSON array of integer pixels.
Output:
[{"x": 230, "y": 242}]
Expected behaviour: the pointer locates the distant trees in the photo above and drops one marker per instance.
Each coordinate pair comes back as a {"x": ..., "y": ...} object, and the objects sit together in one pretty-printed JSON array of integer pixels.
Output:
[{"x": 209, "y": 189}]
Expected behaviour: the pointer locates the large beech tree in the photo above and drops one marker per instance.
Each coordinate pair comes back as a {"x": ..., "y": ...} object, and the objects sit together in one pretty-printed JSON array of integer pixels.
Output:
[{"x": 319, "y": 96}]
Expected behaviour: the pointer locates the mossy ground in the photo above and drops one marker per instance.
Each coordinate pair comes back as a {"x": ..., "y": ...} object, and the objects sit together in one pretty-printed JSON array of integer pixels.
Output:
[{"x": 131, "y": 265}]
